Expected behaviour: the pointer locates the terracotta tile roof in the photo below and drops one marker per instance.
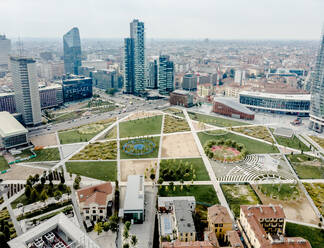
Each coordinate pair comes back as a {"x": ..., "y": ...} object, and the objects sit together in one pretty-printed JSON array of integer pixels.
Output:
[
  {"x": 95, "y": 194},
  {"x": 179, "y": 244},
  {"x": 234, "y": 239},
  {"x": 264, "y": 211},
  {"x": 218, "y": 214}
]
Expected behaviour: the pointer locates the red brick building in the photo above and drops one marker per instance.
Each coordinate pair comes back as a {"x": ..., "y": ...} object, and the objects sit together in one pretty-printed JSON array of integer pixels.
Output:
[
  {"x": 181, "y": 98},
  {"x": 228, "y": 107}
]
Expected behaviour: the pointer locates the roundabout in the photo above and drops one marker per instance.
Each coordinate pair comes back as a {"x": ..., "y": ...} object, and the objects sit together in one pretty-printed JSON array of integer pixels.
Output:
[{"x": 139, "y": 147}]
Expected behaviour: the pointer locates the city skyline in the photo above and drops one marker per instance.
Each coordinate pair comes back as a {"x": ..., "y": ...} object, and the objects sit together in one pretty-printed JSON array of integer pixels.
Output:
[{"x": 185, "y": 20}]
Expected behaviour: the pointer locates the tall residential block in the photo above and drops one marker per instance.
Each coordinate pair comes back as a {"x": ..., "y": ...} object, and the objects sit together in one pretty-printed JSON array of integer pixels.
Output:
[
  {"x": 317, "y": 93},
  {"x": 26, "y": 89},
  {"x": 72, "y": 51},
  {"x": 152, "y": 75},
  {"x": 165, "y": 75},
  {"x": 134, "y": 59},
  {"x": 5, "y": 48}
]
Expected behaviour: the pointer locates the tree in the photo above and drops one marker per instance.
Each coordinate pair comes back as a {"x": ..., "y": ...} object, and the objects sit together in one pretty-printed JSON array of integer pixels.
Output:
[
  {"x": 58, "y": 195},
  {"x": 152, "y": 176},
  {"x": 127, "y": 225},
  {"x": 134, "y": 240},
  {"x": 43, "y": 180},
  {"x": 113, "y": 222},
  {"x": 62, "y": 178},
  {"x": 61, "y": 186},
  {"x": 43, "y": 196},
  {"x": 36, "y": 178},
  {"x": 106, "y": 226},
  {"x": 98, "y": 227},
  {"x": 33, "y": 195},
  {"x": 50, "y": 176},
  {"x": 3, "y": 240},
  {"x": 125, "y": 245},
  {"x": 125, "y": 234},
  {"x": 68, "y": 190},
  {"x": 160, "y": 180},
  {"x": 28, "y": 190},
  {"x": 6, "y": 231}
]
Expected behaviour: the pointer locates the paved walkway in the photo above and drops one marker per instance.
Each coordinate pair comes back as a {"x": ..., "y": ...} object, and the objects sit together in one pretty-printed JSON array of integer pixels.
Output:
[{"x": 13, "y": 217}]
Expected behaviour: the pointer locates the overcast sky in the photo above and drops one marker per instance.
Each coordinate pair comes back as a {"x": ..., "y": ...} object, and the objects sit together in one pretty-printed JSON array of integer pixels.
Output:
[{"x": 189, "y": 19}]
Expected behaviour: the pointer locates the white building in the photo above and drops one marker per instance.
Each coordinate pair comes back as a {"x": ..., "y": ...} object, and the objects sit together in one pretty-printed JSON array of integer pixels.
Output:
[{"x": 5, "y": 48}]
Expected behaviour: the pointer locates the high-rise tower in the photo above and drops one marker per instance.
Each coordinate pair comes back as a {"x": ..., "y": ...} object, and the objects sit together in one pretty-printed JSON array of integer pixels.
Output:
[
  {"x": 5, "y": 48},
  {"x": 165, "y": 75},
  {"x": 317, "y": 92},
  {"x": 26, "y": 89},
  {"x": 72, "y": 51},
  {"x": 134, "y": 59}
]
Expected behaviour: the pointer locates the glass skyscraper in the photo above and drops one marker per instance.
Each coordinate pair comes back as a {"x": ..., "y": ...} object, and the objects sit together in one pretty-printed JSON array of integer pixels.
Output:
[
  {"x": 134, "y": 59},
  {"x": 317, "y": 91},
  {"x": 165, "y": 75},
  {"x": 72, "y": 51}
]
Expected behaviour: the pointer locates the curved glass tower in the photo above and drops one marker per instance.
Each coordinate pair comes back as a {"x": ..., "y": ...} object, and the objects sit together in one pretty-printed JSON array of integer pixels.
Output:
[
  {"x": 72, "y": 51},
  {"x": 317, "y": 91}
]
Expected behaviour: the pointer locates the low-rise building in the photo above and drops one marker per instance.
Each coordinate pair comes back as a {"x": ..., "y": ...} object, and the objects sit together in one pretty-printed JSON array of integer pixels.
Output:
[
  {"x": 181, "y": 98},
  {"x": 58, "y": 231},
  {"x": 231, "y": 108},
  {"x": 219, "y": 221},
  {"x": 134, "y": 200},
  {"x": 96, "y": 201},
  {"x": 185, "y": 226},
  {"x": 166, "y": 204},
  {"x": 12, "y": 133},
  {"x": 76, "y": 88},
  {"x": 264, "y": 227},
  {"x": 51, "y": 96}
]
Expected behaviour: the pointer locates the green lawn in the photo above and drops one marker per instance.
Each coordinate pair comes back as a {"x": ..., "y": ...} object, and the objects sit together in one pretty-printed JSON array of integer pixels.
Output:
[
  {"x": 174, "y": 111},
  {"x": 316, "y": 192},
  {"x": 140, "y": 127},
  {"x": 197, "y": 165},
  {"x": 49, "y": 154},
  {"x": 153, "y": 154},
  {"x": 106, "y": 171},
  {"x": 98, "y": 151},
  {"x": 3, "y": 164},
  {"x": 314, "y": 235},
  {"x": 67, "y": 116},
  {"x": 174, "y": 124},
  {"x": 293, "y": 142},
  {"x": 216, "y": 121},
  {"x": 307, "y": 167},
  {"x": 24, "y": 154},
  {"x": 237, "y": 195},
  {"x": 252, "y": 146},
  {"x": 202, "y": 193},
  {"x": 280, "y": 191}
]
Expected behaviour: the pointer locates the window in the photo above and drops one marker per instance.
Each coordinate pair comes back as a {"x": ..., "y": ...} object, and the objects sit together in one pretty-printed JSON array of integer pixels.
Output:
[
  {"x": 220, "y": 230},
  {"x": 101, "y": 211},
  {"x": 94, "y": 211},
  {"x": 220, "y": 225},
  {"x": 87, "y": 211},
  {"x": 216, "y": 225}
]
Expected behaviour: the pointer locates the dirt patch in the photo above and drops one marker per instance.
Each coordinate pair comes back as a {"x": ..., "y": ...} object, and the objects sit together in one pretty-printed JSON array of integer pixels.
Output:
[
  {"x": 298, "y": 210},
  {"x": 136, "y": 167},
  {"x": 44, "y": 140},
  {"x": 179, "y": 145},
  {"x": 142, "y": 115},
  {"x": 200, "y": 126},
  {"x": 18, "y": 172}
]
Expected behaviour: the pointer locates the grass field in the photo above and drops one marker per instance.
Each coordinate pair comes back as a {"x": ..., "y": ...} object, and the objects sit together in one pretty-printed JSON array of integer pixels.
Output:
[
  {"x": 140, "y": 127},
  {"x": 318, "y": 140},
  {"x": 153, "y": 154},
  {"x": 252, "y": 146},
  {"x": 314, "y": 235},
  {"x": 112, "y": 133},
  {"x": 197, "y": 165},
  {"x": 49, "y": 154},
  {"x": 280, "y": 191},
  {"x": 173, "y": 124},
  {"x": 237, "y": 195},
  {"x": 216, "y": 121},
  {"x": 24, "y": 154},
  {"x": 174, "y": 111},
  {"x": 202, "y": 193},
  {"x": 67, "y": 116},
  {"x": 307, "y": 167},
  {"x": 3, "y": 164},
  {"x": 259, "y": 132},
  {"x": 106, "y": 171},
  {"x": 316, "y": 192},
  {"x": 98, "y": 151},
  {"x": 292, "y": 142}
]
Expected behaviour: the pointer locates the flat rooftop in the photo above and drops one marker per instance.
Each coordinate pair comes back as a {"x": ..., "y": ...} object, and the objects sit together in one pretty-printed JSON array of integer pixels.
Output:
[
  {"x": 297, "y": 97},
  {"x": 9, "y": 126},
  {"x": 134, "y": 199}
]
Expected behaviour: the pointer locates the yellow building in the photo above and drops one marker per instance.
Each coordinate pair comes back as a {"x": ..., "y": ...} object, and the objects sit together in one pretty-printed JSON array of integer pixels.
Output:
[{"x": 219, "y": 221}]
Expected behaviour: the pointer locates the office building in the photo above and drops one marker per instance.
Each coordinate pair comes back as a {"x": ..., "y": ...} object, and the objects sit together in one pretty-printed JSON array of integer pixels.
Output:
[
  {"x": 5, "y": 48},
  {"x": 134, "y": 199},
  {"x": 228, "y": 107},
  {"x": 181, "y": 98},
  {"x": 72, "y": 51},
  {"x": 76, "y": 88},
  {"x": 134, "y": 59},
  {"x": 26, "y": 89},
  {"x": 189, "y": 82},
  {"x": 264, "y": 226},
  {"x": 7, "y": 102},
  {"x": 105, "y": 79},
  {"x": 58, "y": 232},
  {"x": 152, "y": 75},
  {"x": 239, "y": 77},
  {"x": 51, "y": 96},
  {"x": 12, "y": 133},
  {"x": 95, "y": 202},
  {"x": 165, "y": 75},
  {"x": 317, "y": 92}
]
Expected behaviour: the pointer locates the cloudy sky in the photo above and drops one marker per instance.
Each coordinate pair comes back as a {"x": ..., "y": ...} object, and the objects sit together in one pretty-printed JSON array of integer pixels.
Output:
[{"x": 189, "y": 19}]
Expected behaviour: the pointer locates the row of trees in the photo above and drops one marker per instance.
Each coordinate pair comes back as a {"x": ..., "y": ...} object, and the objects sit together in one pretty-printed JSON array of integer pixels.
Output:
[
  {"x": 175, "y": 170},
  {"x": 111, "y": 224},
  {"x": 133, "y": 238}
]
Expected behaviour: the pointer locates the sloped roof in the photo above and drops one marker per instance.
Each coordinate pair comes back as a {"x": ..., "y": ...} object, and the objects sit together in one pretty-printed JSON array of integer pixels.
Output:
[
  {"x": 95, "y": 194},
  {"x": 233, "y": 104}
]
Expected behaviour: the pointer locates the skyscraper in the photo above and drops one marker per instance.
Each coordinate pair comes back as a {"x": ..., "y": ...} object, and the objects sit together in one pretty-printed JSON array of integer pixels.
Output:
[
  {"x": 26, "y": 89},
  {"x": 165, "y": 75},
  {"x": 317, "y": 92},
  {"x": 152, "y": 76},
  {"x": 5, "y": 48},
  {"x": 134, "y": 59},
  {"x": 72, "y": 51}
]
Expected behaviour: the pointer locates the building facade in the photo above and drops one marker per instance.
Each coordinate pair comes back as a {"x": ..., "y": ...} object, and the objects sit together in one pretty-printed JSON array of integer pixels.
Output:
[
  {"x": 5, "y": 48},
  {"x": 72, "y": 51},
  {"x": 181, "y": 98},
  {"x": 51, "y": 96},
  {"x": 165, "y": 75},
  {"x": 105, "y": 79},
  {"x": 276, "y": 103},
  {"x": 219, "y": 221},
  {"x": 134, "y": 59},
  {"x": 76, "y": 88},
  {"x": 189, "y": 82},
  {"x": 228, "y": 107},
  {"x": 7, "y": 102},
  {"x": 152, "y": 75},
  {"x": 317, "y": 91},
  {"x": 26, "y": 89}
]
